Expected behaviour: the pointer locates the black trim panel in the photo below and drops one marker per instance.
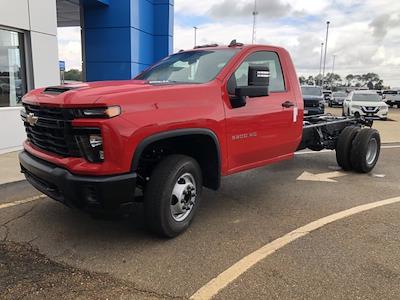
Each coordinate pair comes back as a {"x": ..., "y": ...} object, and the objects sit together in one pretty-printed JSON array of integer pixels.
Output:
[
  {"x": 91, "y": 193},
  {"x": 176, "y": 133}
]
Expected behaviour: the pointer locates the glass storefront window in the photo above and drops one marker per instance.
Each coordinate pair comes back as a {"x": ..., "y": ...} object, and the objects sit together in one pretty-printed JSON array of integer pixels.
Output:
[{"x": 12, "y": 68}]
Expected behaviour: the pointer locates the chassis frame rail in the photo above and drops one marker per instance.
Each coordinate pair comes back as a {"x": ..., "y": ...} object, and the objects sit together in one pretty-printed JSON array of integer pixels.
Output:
[{"x": 322, "y": 131}]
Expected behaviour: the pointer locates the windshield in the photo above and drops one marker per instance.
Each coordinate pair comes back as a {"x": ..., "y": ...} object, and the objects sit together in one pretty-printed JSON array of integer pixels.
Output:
[
  {"x": 390, "y": 92},
  {"x": 339, "y": 95},
  {"x": 198, "y": 66},
  {"x": 312, "y": 91},
  {"x": 366, "y": 97}
]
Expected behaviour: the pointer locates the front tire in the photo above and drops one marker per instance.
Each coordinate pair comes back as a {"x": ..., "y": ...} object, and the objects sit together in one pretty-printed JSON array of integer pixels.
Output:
[
  {"x": 365, "y": 150},
  {"x": 172, "y": 195}
]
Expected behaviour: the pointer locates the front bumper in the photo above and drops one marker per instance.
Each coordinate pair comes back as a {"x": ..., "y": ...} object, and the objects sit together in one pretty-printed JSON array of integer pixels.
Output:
[
  {"x": 337, "y": 102},
  {"x": 378, "y": 114},
  {"x": 106, "y": 194}
]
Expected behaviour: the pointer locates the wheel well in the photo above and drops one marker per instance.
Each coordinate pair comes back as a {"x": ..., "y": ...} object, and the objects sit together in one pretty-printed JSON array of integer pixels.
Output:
[{"x": 203, "y": 147}]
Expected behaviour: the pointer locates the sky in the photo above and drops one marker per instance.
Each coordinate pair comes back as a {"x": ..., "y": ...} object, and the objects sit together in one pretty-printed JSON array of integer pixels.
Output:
[{"x": 364, "y": 35}]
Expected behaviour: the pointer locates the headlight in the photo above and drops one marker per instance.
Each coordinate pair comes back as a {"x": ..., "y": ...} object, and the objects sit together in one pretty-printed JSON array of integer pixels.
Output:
[
  {"x": 356, "y": 106},
  {"x": 384, "y": 107},
  {"x": 99, "y": 112}
]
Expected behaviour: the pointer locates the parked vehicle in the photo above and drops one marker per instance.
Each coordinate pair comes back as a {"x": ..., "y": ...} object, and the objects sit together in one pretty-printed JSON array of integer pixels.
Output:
[
  {"x": 182, "y": 124},
  {"x": 337, "y": 99},
  {"x": 365, "y": 103},
  {"x": 313, "y": 98},
  {"x": 327, "y": 95},
  {"x": 392, "y": 97},
  {"x": 6, "y": 88}
]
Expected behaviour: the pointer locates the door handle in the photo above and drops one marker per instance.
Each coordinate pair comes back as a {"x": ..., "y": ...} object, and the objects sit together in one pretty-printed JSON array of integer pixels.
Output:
[{"x": 287, "y": 104}]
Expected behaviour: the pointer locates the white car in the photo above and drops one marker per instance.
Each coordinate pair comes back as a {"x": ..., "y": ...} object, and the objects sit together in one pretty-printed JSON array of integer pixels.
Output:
[
  {"x": 392, "y": 97},
  {"x": 365, "y": 103}
]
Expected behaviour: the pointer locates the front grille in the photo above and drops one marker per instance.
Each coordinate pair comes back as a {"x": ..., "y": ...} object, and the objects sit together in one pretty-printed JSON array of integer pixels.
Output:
[
  {"x": 311, "y": 103},
  {"x": 53, "y": 131},
  {"x": 370, "y": 109}
]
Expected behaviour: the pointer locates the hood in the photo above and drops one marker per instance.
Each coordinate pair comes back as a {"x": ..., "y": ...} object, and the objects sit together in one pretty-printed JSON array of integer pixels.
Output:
[
  {"x": 368, "y": 103},
  {"x": 84, "y": 94},
  {"x": 339, "y": 98},
  {"x": 312, "y": 97}
]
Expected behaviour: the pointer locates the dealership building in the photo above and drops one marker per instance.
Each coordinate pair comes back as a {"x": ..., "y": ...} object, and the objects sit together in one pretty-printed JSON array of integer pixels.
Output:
[{"x": 119, "y": 39}]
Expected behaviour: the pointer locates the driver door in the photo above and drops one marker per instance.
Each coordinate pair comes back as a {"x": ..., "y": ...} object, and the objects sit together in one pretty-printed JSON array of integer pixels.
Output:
[{"x": 263, "y": 130}]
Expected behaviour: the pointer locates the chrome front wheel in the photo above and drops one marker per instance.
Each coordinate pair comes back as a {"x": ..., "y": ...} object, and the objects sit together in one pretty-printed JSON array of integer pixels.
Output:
[{"x": 183, "y": 197}]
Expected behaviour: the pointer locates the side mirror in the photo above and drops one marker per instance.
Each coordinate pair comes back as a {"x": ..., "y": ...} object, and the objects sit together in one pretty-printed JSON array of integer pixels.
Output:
[
  {"x": 236, "y": 101},
  {"x": 258, "y": 83}
]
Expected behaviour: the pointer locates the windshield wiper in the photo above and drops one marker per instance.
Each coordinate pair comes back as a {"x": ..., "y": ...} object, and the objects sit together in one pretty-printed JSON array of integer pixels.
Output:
[
  {"x": 168, "y": 82},
  {"x": 162, "y": 81}
]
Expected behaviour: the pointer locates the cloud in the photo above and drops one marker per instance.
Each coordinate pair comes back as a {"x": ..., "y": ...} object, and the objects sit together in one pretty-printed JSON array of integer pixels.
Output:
[
  {"x": 229, "y": 8},
  {"x": 382, "y": 23},
  {"x": 364, "y": 34},
  {"x": 69, "y": 47}
]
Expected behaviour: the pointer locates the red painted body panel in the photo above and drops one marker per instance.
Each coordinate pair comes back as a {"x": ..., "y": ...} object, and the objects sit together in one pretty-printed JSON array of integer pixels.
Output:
[{"x": 150, "y": 109}]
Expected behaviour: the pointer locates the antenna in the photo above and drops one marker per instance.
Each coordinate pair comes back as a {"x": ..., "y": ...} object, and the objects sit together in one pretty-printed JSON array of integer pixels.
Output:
[
  {"x": 255, "y": 13},
  {"x": 195, "y": 35}
]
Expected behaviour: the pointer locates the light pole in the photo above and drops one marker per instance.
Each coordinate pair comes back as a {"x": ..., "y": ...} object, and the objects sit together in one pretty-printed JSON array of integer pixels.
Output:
[
  {"x": 195, "y": 35},
  {"x": 333, "y": 69},
  {"x": 326, "y": 47},
  {"x": 255, "y": 13},
  {"x": 333, "y": 63},
  {"x": 320, "y": 61}
]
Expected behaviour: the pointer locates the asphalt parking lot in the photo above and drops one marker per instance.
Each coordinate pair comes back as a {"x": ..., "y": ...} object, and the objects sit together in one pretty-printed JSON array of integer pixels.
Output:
[{"x": 49, "y": 251}]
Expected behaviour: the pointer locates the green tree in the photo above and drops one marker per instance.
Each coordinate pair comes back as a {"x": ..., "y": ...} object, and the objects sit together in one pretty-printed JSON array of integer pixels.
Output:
[
  {"x": 349, "y": 78},
  {"x": 379, "y": 85},
  {"x": 310, "y": 80},
  {"x": 73, "y": 74},
  {"x": 302, "y": 80},
  {"x": 333, "y": 79}
]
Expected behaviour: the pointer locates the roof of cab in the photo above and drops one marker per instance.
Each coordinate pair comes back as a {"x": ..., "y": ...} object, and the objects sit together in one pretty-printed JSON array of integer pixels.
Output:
[{"x": 226, "y": 47}]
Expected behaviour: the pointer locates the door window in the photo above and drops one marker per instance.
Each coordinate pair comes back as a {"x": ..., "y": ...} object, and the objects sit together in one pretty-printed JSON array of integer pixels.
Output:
[{"x": 264, "y": 58}]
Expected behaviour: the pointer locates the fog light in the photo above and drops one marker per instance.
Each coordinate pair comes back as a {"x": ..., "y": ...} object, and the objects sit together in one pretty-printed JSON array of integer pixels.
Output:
[
  {"x": 95, "y": 140},
  {"x": 91, "y": 147}
]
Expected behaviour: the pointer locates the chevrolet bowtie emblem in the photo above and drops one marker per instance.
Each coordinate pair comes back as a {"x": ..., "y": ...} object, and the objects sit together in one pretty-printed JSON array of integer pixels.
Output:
[{"x": 31, "y": 119}]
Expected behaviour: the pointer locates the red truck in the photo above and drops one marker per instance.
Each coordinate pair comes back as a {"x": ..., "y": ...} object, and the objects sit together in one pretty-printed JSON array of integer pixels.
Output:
[{"x": 179, "y": 126}]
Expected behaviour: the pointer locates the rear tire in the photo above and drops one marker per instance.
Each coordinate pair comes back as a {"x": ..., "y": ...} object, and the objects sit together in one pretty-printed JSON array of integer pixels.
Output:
[
  {"x": 343, "y": 147},
  {"x": 172, "y": 195},
  {"x": 365, "y": 150}
]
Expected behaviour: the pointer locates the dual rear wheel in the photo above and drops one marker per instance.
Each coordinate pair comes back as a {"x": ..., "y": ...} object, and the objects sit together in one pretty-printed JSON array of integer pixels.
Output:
[{"x": 358, "y": 149}]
